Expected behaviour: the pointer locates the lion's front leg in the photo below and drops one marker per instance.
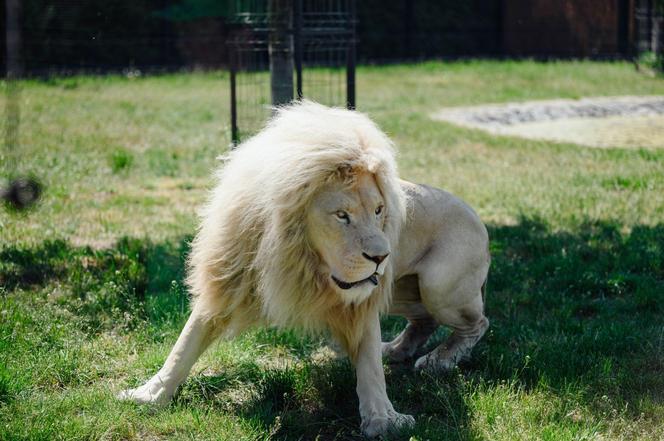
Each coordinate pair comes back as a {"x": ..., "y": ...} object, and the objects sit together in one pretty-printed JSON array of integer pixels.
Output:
[
  {"x": 378, "y": 415},
  {"x": 198, "y": 333}
]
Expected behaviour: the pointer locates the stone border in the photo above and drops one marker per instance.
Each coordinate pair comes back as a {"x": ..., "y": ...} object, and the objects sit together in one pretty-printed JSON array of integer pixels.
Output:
[{"x": 497, "y": 117}]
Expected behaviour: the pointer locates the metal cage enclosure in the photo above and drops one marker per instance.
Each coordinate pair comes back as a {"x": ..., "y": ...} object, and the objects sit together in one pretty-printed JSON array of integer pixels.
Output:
[{"x": 282, "y": 50}]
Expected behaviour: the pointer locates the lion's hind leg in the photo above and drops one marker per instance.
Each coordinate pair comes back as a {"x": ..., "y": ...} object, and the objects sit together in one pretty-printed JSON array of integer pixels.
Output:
[
  {"x": 414, "y": 336},
  {"x": 457, "y": 347},
  {"x": 421, "y": 324},
  {"x": 468, "y": 324}
]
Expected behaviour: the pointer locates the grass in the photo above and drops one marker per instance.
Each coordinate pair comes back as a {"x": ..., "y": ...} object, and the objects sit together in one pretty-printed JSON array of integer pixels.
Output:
[{"x": 92, "y": 299}]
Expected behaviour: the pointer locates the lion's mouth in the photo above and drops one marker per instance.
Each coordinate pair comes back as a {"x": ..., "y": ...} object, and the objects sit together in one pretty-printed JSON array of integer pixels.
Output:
[{"x": 348, "y": 285}]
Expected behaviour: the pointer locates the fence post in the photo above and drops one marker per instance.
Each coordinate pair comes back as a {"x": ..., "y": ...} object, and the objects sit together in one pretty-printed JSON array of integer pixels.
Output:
[
  {"x": 235, "y": 135},
  {"x": 281, "y": 51},
  {"x": 351, "y": 55},
  {"x": 299, "y": 49}
]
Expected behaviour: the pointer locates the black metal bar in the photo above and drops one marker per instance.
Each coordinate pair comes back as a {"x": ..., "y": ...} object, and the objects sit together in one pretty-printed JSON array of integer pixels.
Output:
[
  {"x": 622, "y": 36},
  {"x": 350, "y": 66},
  {"x": 650, "y": 24},
  {"x": 13, "y": 12},
  {"x": 408, "y": 31},
  {"x": 298, "y": 46},
  {"x": 280, "y": 49},
  {"x": 235, "y": 135}
]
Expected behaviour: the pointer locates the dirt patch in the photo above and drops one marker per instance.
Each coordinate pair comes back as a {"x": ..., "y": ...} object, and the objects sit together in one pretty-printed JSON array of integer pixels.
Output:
[{"x": 631, "y": 122}]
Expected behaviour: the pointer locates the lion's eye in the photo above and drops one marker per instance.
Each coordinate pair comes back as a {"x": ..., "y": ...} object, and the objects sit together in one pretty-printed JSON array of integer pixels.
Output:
[
  {"x": 342, "y": 216},
  {"x": 379, "y": 210}
]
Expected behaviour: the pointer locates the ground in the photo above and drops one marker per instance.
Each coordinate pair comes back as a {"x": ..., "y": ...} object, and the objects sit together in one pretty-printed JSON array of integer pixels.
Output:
[
  {"x": 626, "y": 121},
  {"x": 92, "y": 299}
]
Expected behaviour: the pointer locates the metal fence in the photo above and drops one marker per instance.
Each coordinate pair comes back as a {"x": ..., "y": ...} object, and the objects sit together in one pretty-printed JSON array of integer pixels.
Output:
[
  {"x": 649, "y": 22},
  {"x": 285, "y": 49}
]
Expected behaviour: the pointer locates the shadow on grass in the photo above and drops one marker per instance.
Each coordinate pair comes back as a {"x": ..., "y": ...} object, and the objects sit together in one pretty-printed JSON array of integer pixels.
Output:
[
  {"x": 574, "y": 306},
  {"x": 579, "y": 309},
  {"x": 133, "y": 281},
  {"x": 318, "y": 401}
]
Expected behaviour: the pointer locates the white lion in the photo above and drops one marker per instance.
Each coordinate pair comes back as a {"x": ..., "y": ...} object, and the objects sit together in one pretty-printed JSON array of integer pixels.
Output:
[{"x": 309, "y": 226}]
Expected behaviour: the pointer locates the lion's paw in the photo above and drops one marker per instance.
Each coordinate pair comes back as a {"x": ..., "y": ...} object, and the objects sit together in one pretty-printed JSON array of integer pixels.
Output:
[
  {"x": 150, "y": 393},
  {"x": 383, "y": 424},
  {"x": 392, "y": 352},
  {"x": 395, "y": 353},
  {"x": 434, "y": 362}
]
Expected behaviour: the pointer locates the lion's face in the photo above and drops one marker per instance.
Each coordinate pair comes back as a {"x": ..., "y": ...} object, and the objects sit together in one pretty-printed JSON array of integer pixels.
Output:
[{"x": 345, "y": 226}]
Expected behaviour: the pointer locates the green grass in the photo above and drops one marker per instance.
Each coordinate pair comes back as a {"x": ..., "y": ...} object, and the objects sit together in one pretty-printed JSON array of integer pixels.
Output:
[{"x": 92, "y": 297}]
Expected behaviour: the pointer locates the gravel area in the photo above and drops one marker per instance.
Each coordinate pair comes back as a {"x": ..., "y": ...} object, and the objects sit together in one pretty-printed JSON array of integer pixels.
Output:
[{"x": 628, "y": 121}]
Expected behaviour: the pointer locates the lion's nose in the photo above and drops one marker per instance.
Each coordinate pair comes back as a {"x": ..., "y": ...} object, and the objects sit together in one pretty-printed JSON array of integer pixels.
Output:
[{"x": 376, "y": 259}]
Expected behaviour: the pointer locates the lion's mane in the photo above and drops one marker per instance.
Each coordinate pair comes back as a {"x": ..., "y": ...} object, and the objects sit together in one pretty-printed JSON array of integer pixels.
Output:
[{"x": 251, "y": 259}]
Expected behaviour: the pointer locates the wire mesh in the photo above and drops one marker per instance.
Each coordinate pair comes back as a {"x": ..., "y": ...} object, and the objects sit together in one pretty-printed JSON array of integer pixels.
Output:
[{"x": 318, "y": 37}]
